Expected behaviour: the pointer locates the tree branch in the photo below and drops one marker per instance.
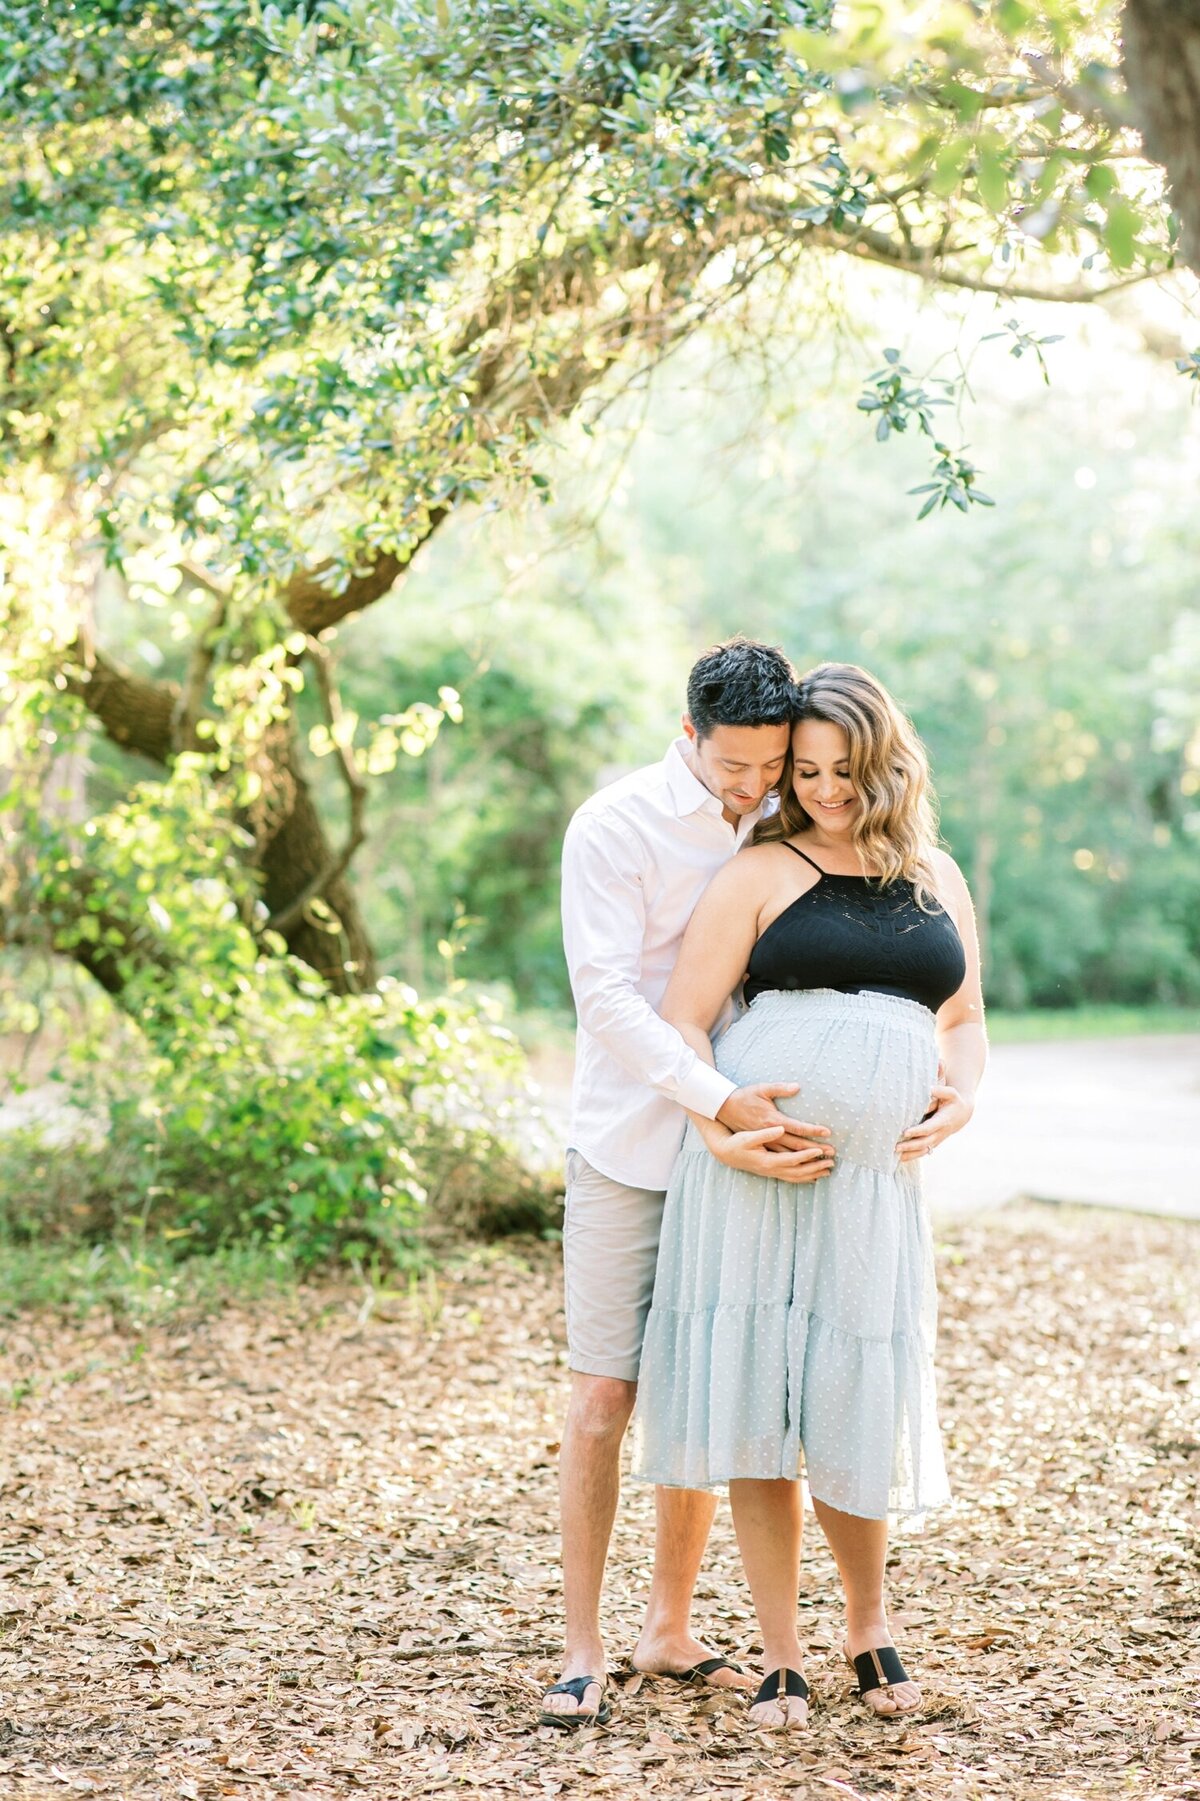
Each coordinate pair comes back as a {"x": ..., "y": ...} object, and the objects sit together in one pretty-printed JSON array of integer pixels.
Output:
[
  {"x": 113, "y": 944},
  {"x": 312, "y": 605},
  {"x": 286, "y": 917},
  {"x": 186, "y": 712},
  {"x": 876, "y": 247},
  {"x": 136, "y": 712}
]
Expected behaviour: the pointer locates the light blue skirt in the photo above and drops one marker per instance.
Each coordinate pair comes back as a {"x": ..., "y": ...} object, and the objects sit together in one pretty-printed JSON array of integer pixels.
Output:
[{"x": 794, "y": 1326}]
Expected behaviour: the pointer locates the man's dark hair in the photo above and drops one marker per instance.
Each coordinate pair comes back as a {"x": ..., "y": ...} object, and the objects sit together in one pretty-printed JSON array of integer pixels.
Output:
[{"x": 741, "y": 683}]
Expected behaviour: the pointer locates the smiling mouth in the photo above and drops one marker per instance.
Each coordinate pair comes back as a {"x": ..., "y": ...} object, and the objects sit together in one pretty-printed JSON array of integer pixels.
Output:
[{"x": 834, "y": 806}]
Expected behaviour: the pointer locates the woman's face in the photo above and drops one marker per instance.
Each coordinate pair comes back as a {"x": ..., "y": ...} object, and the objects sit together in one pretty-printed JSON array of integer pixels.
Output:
[{"x": 821, "y": 776}]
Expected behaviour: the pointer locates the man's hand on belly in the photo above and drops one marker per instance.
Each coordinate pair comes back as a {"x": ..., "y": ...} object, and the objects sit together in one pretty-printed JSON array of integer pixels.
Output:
[
  {"x": 759, "y": 1153},
  {"x": 753, "y": 1110}
]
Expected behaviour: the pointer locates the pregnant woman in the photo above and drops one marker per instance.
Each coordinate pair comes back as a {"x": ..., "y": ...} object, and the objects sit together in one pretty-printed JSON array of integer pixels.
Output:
[{"x": 794, "y": 1326}]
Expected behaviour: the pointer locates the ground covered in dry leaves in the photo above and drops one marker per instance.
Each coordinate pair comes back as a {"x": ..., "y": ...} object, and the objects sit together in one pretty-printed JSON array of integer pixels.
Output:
[{"x": 309, "y": 1548}]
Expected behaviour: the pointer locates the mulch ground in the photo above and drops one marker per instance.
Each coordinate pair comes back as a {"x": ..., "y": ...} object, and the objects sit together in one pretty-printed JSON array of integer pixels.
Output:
[{"x": 309, "y": 1549}]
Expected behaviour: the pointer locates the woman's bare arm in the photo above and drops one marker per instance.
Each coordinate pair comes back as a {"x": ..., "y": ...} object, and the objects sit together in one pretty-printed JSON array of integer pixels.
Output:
[
  {"x": 749, "y": 1131},
  {"x": 715, "y": 950},
  {"x": 961, "y": 1034}
]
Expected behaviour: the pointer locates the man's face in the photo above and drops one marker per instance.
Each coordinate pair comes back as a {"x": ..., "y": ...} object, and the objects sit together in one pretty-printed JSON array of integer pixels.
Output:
[{"x": 739, "y": 763}]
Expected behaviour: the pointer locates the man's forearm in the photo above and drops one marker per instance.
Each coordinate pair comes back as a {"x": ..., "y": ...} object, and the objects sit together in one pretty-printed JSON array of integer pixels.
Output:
[{"x": 677, "y": 1064}]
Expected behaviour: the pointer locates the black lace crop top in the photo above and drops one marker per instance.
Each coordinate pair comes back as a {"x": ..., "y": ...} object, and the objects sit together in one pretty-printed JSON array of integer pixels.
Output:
[{"x": 848, "y": 933}]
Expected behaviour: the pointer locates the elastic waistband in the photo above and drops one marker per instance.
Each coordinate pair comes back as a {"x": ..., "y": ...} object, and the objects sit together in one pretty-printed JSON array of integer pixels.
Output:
[{"x": 829, "y": 1001}]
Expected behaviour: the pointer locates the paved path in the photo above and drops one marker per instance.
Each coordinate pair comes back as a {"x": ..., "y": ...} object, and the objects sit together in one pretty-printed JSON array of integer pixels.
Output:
[
  {"x": 1108, "y": 1121},
  {"x": 1111, "y": 1122}
]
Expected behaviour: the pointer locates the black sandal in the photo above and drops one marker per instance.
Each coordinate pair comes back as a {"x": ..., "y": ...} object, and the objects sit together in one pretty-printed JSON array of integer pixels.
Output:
[
  {"x": 879, "y": 1669},
  {"x": 700, "y": 1672},
  {"x": 786, "y": 1682},
  {"x": 578, "y": 1687}
]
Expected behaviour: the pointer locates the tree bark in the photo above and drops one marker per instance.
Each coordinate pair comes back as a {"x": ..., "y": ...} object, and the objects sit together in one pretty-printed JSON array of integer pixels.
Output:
[
  {"x": 1162, "y": 71},
  {"x": 292, "y": 845},
  {"x": 312, "y": 606},
  {"x": 294, "y": 850},
  {"x": 136, "y": 713}
]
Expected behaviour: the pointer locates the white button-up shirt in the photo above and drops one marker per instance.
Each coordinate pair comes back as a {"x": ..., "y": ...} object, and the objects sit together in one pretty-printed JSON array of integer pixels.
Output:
[{"x": 636, "y": 859}]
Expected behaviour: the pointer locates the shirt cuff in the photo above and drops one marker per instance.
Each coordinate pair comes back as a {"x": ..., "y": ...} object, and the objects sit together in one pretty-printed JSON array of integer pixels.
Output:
[{"x": 704, "y": 1090}]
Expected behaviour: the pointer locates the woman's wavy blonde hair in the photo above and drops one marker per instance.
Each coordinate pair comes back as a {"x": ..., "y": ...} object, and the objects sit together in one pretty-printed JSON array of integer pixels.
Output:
[{"x": 897, "y": 829}]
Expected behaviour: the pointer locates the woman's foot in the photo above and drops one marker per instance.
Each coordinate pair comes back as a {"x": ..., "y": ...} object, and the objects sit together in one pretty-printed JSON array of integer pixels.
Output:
[
  {"x": 781, "y": 1704},
  {"x": 883, "y": 1681}
]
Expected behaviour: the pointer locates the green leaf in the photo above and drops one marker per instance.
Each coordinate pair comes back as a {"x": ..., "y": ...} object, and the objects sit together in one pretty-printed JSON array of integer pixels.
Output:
[
  {"x": 1013, "y": 16},
  {"x": 1120, "y": 232},
  {"x": 1100, "y": 181},
  {"x": 948, "y": 166}
]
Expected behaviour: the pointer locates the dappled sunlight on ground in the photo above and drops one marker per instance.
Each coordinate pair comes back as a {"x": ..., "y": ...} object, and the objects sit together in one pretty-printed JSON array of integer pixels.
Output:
[{"x": 310, "y": 1548}]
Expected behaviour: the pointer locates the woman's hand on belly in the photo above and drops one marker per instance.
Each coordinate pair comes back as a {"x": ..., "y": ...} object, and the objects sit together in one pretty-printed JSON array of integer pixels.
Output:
[{"x": 949, "y": 1112}]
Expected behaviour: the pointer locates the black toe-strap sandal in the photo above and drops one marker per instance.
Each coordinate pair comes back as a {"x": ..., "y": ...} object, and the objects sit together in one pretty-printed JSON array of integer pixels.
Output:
[
  {"x": 780, "y": 1683},
  {"x": 701, "y": 1672},
  {"x": 578, "y": 1687},
  {"x": 878, "y": 1669}
]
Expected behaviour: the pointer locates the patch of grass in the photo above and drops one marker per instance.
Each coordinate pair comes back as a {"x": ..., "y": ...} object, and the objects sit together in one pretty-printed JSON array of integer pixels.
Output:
[
  {"x": 551, "y": 1031},
  {"x": 1043, "y": 1023},
  {"x": 141, "y": 1281}
]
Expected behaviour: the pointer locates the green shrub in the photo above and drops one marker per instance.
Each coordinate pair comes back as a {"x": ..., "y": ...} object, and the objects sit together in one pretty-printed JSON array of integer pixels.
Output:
[
  {"x": 230, "y": 1097},
  {"x": 336, "y": 1126}
]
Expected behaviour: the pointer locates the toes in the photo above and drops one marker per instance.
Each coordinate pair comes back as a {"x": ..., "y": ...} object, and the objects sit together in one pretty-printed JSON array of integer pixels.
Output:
[
  {"x": 567, "y": 1704},
  {"x": 902, "y": 1699},
  {"x": 730, "y": 1679},
  {"x": 777, "y": 1717}
]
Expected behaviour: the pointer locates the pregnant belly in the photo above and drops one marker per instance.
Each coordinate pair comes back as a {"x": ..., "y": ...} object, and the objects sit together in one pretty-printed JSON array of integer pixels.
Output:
[{"x": 865, "y": 1064}]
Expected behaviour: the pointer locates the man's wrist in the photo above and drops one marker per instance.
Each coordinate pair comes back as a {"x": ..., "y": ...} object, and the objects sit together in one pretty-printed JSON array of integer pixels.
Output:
[{"x": 705, "y": 1090}]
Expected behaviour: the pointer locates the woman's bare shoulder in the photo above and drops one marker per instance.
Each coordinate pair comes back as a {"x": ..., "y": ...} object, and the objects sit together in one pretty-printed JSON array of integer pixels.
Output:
[
  {"x": 951, "y": 884},
  {"x": 762, "y": 863},
  {"x": 747, "y": 876}
]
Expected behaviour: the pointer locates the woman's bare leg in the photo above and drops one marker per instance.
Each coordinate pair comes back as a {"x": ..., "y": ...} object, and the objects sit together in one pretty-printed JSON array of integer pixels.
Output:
[
  {"x": 768, "y": 1518},
  {"x": 860, "y": 1551}
]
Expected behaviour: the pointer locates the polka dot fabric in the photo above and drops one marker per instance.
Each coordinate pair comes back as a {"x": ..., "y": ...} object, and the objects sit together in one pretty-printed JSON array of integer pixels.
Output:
[{"x": 796, "y": 1324}]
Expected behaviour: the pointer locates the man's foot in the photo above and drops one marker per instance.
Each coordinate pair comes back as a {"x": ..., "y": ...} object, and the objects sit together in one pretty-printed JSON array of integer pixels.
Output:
[
  {"x": 577, "y": 1699},
  {"x": 883, "y": 1681},
  {"x": 781, "y": 1704},
  {"x": 681, "y": 1657}
]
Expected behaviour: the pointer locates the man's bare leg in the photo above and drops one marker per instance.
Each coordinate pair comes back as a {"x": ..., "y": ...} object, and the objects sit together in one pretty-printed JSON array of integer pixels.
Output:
[
  {"x": 589, "y": 1481},
  {"x": 684, "y": 1517}
]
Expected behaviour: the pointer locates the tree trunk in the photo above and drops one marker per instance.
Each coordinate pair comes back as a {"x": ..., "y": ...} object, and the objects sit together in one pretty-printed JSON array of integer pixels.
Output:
[
  {"x": 292, "y": 845},
  {"x": 330, "y": 936},
  {"x": 1162, "y": 70}
]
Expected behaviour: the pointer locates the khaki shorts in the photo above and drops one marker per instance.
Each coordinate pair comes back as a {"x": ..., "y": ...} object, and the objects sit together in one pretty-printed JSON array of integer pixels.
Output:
[{"x": 610, "y": 1250}]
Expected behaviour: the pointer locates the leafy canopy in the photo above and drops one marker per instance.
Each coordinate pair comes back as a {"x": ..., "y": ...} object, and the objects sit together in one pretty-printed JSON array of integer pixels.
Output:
[{"x": 285, "y": 284}]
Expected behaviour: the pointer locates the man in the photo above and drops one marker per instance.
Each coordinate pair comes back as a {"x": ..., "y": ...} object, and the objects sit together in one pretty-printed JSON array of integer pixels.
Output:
[{"x": 636, "y": 859}]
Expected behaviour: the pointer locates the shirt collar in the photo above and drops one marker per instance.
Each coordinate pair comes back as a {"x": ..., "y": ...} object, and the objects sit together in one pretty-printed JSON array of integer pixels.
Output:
[{"x": 687, "y": 790}]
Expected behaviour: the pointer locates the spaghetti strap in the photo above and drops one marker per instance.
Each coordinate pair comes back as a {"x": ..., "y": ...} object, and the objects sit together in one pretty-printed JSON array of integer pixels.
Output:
[{"x": 803, "y": 854}]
